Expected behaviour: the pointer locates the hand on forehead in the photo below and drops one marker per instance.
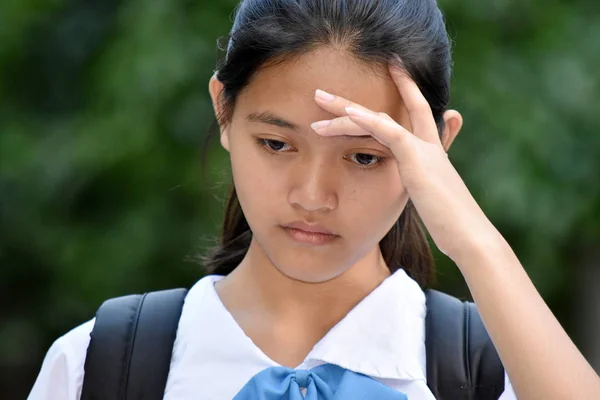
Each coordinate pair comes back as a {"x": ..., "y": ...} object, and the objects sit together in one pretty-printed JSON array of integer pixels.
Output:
[
  {"x": 289, "y": 88},
  {"x": 420, "y": 119}
]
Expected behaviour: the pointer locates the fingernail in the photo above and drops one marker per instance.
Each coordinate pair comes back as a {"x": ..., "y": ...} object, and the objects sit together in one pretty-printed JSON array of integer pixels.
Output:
[
  {"x": 324, "y": 95},
  {"x": 357, "y": 113},
  {"x": 320, "y": 125}
]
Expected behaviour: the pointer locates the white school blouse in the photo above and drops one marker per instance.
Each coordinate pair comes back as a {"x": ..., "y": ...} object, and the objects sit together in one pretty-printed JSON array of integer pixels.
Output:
[{"x": 382, "y": 337}]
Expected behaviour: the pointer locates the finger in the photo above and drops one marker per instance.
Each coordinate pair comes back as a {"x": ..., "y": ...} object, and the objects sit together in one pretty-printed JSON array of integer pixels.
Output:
[
  {"x": 342, "y": 126},
  {"x": 333, "y": 104},
  {"x": 385, "y": 130},
  {"x": 338, "y": 127},
  {"x": 419, "y": 110}
]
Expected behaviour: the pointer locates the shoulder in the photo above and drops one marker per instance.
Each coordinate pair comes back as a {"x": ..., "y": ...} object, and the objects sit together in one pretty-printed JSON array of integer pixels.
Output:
[
  {"x": 61, "y": 375},
  {"x": 196, "y": 303}
]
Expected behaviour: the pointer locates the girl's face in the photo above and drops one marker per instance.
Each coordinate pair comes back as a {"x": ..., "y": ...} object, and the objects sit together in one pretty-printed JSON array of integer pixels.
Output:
[{"x": 286, "y": 175}]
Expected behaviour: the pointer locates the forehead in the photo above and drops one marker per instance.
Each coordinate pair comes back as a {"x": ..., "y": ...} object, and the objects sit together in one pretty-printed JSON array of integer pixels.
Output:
[{"x": 289, "y": 87}]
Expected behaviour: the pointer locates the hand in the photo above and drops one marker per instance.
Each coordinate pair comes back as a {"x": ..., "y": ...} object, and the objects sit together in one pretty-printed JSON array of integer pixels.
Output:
[{"x": 450, "y": 213}]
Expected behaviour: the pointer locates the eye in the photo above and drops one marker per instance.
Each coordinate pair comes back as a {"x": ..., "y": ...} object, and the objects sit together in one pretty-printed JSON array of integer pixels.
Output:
[
  {"x": 274, "y": 145},
  {"x": 366, "y": 160}
]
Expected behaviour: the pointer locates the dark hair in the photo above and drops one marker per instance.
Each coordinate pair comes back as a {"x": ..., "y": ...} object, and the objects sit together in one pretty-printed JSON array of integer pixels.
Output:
[{"x": 411, "y": 32}]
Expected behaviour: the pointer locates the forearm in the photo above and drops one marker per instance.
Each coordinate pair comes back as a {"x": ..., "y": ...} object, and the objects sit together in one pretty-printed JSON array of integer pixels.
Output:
[{"x": 540, "y": 359}]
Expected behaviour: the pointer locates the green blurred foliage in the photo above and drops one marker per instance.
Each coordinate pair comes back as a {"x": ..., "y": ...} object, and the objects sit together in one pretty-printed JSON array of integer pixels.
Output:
[{"x": 104, "y": 110}]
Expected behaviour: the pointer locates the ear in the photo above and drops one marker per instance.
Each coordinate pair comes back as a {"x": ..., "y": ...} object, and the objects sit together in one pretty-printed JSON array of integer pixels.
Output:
[
  {"x": 453, "y": 121},
  {"x": 215, "y": 88}
]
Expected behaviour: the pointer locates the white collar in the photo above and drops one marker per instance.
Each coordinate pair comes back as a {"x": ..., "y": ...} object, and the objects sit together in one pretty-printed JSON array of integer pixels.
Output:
[{"x": 382, "y": 337}]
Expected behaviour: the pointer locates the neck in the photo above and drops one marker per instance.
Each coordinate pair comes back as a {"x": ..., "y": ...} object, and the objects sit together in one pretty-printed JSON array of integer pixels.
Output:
[{"x": 258, "y": 290}]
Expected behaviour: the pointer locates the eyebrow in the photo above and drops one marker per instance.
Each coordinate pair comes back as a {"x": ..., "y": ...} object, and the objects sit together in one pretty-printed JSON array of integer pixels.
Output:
[{"x": 266, "y": 117}]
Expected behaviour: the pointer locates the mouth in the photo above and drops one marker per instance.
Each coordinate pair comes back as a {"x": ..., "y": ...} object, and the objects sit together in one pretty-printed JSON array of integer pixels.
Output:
[{"x": 310, "y": 234}]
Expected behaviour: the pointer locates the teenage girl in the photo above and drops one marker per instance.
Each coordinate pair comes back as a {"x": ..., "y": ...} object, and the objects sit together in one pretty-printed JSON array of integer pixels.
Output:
[{"x": 335, "y": 116}]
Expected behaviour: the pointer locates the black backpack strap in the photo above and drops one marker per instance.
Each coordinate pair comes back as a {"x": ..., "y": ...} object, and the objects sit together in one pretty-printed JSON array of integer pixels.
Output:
[
  {"x": 130, "y": 348},
  {"x": 462, "y": 362}
]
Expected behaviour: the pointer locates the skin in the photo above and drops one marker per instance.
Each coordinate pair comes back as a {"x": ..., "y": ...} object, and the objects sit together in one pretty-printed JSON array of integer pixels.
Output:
[{"x": 277, "y": 293}]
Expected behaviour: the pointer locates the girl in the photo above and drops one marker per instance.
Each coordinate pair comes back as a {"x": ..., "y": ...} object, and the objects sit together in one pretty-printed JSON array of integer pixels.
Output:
[{"x": 335, "y": 116}]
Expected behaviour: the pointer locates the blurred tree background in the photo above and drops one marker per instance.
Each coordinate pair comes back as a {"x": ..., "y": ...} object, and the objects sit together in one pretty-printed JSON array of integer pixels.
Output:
[{"x": 104, "y": 112}]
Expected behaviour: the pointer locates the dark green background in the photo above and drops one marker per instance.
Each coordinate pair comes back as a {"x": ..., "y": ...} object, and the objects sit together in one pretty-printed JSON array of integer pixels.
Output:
[{"x": 104, "y": 111}]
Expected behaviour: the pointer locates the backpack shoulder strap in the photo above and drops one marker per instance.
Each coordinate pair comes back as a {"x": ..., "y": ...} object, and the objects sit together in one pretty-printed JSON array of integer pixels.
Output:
[
  {"x": 462, "y": 362},
  {"x": 129, "y": 354}
]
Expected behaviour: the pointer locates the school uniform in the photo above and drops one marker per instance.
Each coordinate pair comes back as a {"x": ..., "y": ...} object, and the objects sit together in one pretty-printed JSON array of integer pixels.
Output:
[{"x": 378, "y": 347}]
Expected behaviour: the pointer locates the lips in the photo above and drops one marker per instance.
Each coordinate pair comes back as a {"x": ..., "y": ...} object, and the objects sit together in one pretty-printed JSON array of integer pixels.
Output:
[
  {"x": 311, "y": 234},
  {"x": 309, "y": 228}
]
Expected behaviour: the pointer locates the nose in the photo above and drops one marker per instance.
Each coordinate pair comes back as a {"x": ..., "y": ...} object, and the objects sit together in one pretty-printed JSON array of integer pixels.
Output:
[{"x": 314, "y": 187}]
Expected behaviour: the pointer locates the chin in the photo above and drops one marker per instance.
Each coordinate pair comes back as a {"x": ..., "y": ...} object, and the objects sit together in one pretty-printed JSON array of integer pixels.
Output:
[
  {"x": 306, "y": 263},
  {"x": 307, "y": 269}
]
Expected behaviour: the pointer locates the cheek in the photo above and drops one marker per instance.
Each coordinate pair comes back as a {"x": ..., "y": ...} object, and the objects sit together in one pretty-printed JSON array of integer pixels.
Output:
[
  {"x": 256, "y": 184},
  {"x": 374, "y": 206}
]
